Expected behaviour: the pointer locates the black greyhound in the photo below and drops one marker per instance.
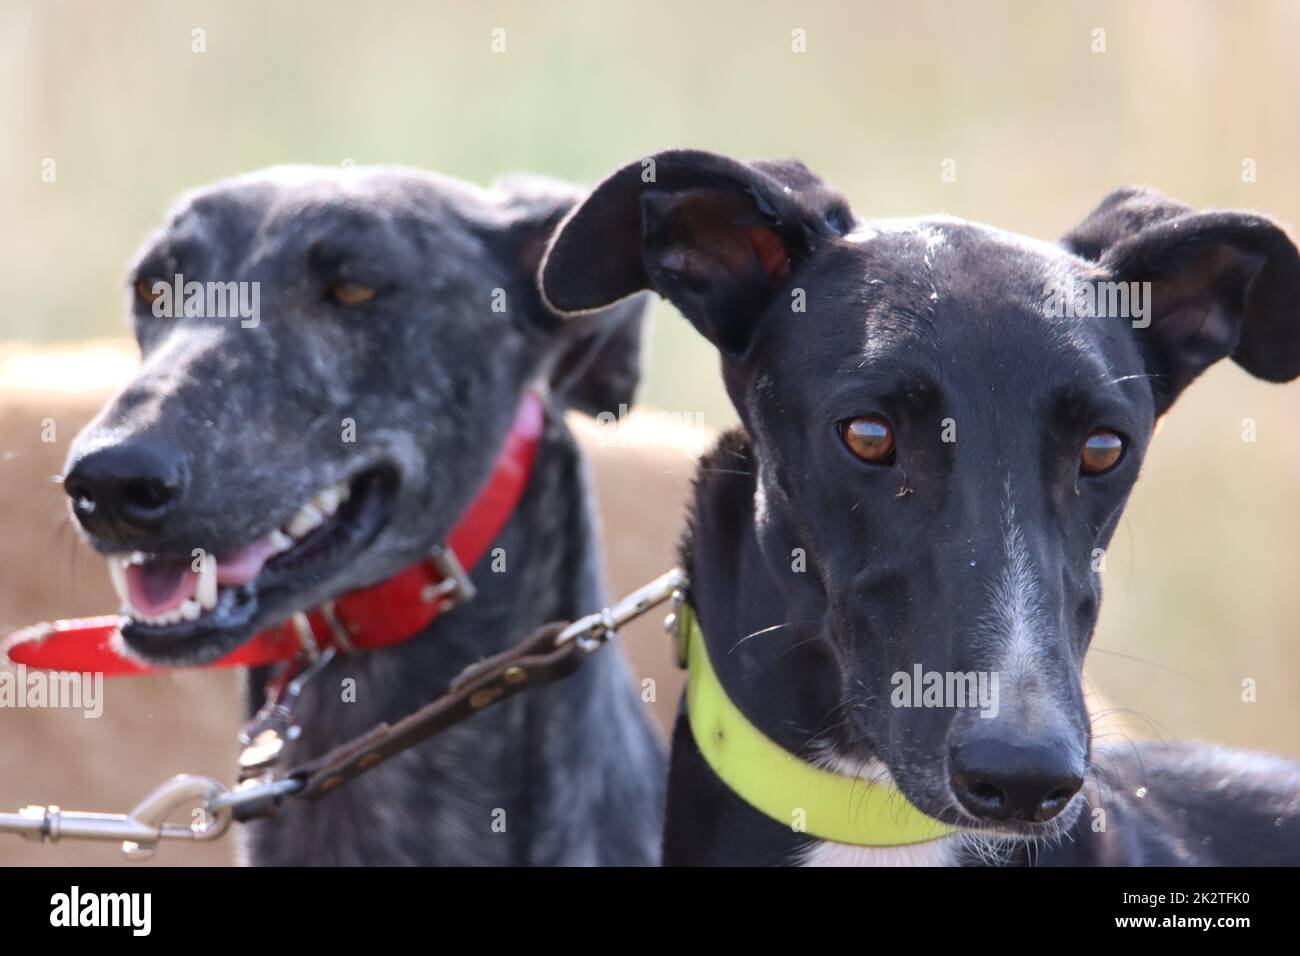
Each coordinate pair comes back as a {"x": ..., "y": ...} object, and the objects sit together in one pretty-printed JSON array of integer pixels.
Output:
[
  {"x": 941, "y": 425},
  {"x": 330, "y": 438}
]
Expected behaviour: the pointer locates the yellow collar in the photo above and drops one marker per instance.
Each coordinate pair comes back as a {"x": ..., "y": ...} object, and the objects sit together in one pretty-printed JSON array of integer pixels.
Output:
[{"x": 820, "y": 803}]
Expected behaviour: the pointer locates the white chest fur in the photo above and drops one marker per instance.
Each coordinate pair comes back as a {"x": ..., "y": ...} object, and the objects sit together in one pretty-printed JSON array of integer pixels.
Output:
[
  {"x": 938, "y": 852},
  {"x": 934, "y": 853}
]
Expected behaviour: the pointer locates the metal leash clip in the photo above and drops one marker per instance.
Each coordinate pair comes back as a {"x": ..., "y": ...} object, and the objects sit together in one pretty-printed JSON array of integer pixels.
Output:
[
  {"x": 145, "y": 826},
  {"x": 265, "y": 735},
  {"x": 593, "y": 630},
  {"x": 140, "y": 830}
]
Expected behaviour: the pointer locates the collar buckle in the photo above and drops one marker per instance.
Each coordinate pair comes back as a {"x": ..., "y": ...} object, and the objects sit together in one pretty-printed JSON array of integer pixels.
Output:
[{"x": 455, "y": 586}]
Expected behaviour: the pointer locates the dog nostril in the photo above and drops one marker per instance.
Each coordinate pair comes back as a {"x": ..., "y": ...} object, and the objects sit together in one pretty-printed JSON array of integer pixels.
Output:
[
  {"x": 982, "y": 798},
  {"x": 1053, "y": 803},
  {"x": 988, "y": 794},
  {"x": 147, "y": 496},
  {"x": 78, "y": 492}
]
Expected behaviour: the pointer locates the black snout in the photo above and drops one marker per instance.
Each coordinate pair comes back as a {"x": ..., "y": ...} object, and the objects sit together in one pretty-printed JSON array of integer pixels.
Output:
[
  {"x": 1001, "y": 779},
  {"x": 134, "y": 485}
]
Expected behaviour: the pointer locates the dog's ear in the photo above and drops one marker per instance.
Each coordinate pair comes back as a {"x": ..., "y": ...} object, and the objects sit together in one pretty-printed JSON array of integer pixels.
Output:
[
  {"x": 596, "y": 365},
  {"x": 715, "y": 236},
  {"x": 1222, "y": 283}
]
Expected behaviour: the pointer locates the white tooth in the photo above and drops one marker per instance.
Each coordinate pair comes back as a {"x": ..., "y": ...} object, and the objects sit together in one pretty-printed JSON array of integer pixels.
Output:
[
  {"x": 305, "y": 520},
  {"x": 280, "y": 542},
  {"x": 205, "y": 593},
  {"x": 189, "y": 610},
  {"x": 343, "y": 490},
  {"x": 117, "y": 574},
  {"x": 327, "y": 502}
]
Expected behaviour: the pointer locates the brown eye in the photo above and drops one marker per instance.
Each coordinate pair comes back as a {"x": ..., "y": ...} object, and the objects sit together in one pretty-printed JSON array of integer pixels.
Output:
[
  {"x": 144, "y": 288},
  {"x": 1102, "y": 450},
  {"x": 870, "y": 438},
  {"x": 352, "y": 293}
]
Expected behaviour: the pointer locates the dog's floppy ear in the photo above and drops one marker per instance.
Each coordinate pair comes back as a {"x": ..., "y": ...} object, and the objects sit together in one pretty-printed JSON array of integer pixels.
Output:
[
  {"x": 597, "y": 363},
  {"x": 1222, "y": 283},
  {"x": 715, "y": 236}
]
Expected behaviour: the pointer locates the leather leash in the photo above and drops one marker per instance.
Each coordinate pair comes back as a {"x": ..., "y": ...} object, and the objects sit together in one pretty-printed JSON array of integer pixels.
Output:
[{"x": 549, "y": 654}]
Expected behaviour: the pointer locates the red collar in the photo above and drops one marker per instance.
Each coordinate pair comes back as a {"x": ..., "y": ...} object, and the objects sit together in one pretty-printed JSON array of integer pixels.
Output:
[{"x": 389, "y": 612}]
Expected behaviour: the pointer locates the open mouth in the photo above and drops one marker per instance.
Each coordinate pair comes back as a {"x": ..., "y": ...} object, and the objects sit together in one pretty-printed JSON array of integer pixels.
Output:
[{"x": 172, "y": 599}]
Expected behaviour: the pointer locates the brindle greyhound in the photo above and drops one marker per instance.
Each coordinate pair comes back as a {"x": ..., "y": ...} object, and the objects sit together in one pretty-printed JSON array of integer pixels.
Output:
[
  {"x": 332, "y": 440},
  {"x": 946, "y": 448}
]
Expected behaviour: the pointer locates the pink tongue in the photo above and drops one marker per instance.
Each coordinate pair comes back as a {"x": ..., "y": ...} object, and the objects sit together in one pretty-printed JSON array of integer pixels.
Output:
[
  {"x": 244, "y": 565},
  {"x": 160, "y": 585}
]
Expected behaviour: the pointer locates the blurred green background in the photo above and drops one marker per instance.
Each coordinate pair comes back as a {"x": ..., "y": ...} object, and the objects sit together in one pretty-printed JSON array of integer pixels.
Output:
[{"x": 1201, "y": 584}]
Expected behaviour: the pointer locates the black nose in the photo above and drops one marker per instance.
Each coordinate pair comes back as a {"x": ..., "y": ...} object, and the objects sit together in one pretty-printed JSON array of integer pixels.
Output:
[
  {"x": 1018, "y": 779},
  {"x": 134, "y": 485}
]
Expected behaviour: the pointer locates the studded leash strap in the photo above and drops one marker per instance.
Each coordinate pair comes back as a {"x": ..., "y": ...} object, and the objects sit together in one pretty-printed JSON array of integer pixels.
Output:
[{"x": 550, "y": 653}]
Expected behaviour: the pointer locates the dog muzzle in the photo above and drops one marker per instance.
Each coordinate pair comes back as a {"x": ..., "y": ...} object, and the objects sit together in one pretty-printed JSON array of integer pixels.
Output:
[{"x": 390, "y": 612}]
